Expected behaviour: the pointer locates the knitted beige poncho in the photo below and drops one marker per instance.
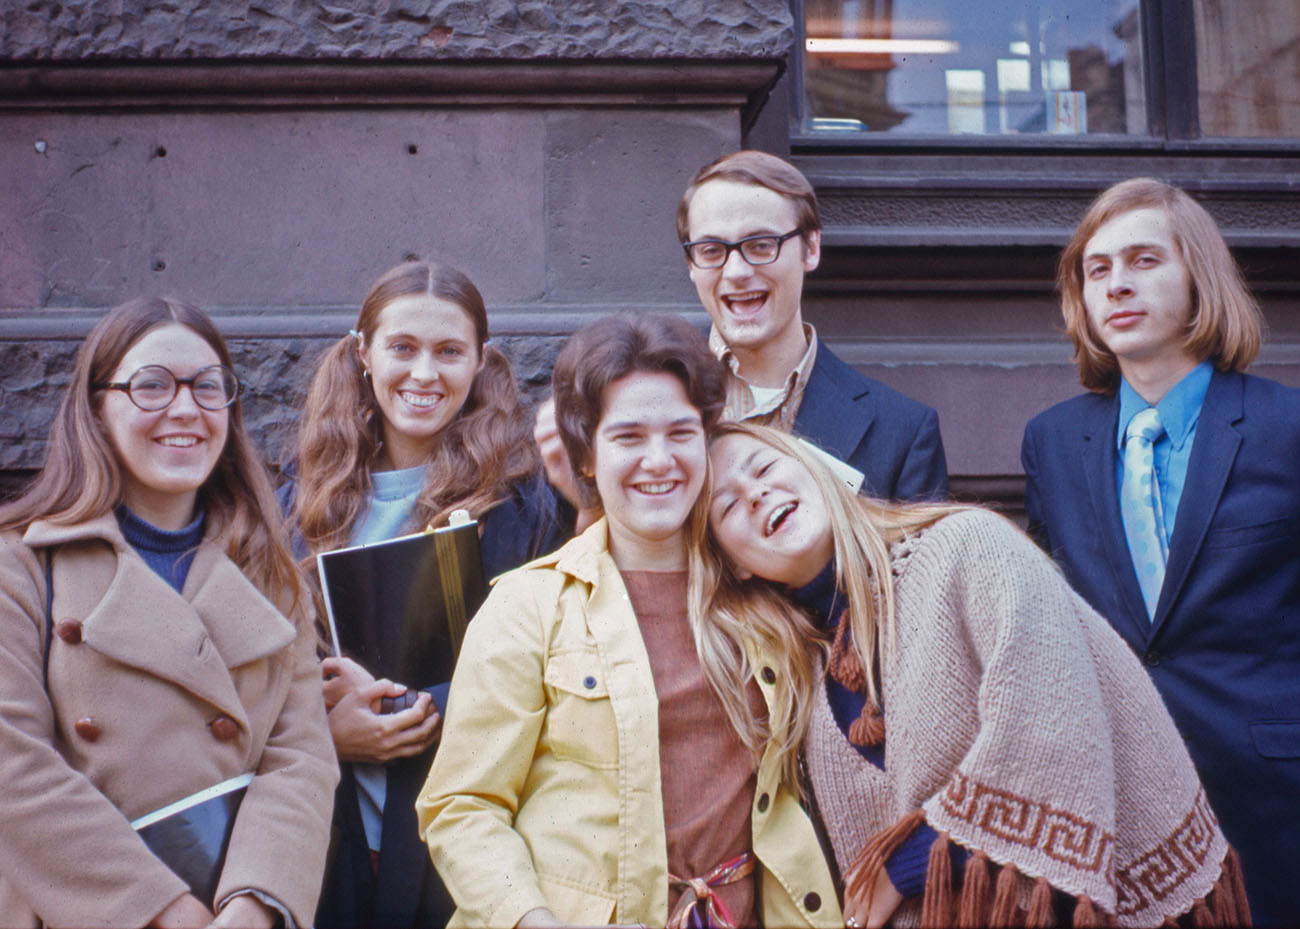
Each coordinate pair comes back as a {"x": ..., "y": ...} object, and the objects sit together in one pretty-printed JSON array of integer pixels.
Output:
[{"x": 1019, "y": 725}]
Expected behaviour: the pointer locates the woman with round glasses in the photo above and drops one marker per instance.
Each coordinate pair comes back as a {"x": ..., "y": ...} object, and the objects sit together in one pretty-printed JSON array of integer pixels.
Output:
[
  {"x": 410, "y": 416},
  {"x": 155, "y": 641}
]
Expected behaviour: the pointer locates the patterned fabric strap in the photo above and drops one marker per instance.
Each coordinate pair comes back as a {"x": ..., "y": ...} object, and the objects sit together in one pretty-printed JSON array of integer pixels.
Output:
[{"x": 699, "y": 906}]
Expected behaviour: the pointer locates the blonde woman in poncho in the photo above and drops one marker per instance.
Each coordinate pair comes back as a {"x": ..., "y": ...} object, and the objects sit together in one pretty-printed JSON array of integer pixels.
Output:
[{"x": 981, "y": 746}]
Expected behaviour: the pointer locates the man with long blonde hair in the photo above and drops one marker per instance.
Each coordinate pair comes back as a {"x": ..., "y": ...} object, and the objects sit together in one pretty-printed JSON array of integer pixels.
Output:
[{"x": 1170, "y": 496}]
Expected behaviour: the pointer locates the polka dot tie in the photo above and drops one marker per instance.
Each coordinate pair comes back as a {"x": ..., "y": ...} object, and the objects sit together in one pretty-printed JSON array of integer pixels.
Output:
[{"x": 1140, "y": 506}]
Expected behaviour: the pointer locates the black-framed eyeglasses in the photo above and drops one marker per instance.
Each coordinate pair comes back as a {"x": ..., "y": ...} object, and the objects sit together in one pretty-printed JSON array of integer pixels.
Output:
[
  {"x": 707, "y": 254},
  {"x": 154, "y": 387}
]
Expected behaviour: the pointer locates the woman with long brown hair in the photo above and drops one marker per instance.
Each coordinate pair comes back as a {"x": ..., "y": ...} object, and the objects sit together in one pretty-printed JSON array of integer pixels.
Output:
[
  {"x": 410, "y": 416},
  {"x": 155, "y": 641},
  {"x": 983, "y": 749}
]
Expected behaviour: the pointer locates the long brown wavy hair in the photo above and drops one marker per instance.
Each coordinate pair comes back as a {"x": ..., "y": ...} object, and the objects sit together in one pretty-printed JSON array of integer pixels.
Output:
[
  {"x": 82, "y": 476},
  {"x": 480, "y": 456},
  {"x": 735, "y": 620}
]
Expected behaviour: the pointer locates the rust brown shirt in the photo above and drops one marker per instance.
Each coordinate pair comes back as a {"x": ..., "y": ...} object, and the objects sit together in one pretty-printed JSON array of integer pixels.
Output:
[{"x": 707, "y": 775}]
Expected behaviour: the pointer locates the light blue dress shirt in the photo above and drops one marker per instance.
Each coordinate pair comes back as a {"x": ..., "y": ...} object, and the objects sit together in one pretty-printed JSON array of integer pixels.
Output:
[{"x": 1180, "y": 411}]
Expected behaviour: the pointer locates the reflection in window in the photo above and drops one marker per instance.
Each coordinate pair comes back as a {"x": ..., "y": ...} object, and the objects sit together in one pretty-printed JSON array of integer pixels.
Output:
[
  {"x": 939, "y": 67},
  {"x": 1248, "y": 68}
]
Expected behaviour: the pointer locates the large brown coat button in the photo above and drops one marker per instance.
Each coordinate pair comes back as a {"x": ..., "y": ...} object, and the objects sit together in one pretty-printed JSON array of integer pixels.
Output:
[
  {"x": 225, "y": 728},
  {"x": 69, "y": 630},
  {"x": 87, "y": 728}
]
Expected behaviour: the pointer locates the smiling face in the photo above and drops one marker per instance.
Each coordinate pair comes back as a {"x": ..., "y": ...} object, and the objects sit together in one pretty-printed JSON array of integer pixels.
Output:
[
  {"x": 1138, "y": 294},
  {"x": 767, "y": 513},
  {"x": 649, "y": 461},
  {"x": 165, "y": 456},
  {"x": 422, "y": 359},
  {"x": 756, "y": 309}
]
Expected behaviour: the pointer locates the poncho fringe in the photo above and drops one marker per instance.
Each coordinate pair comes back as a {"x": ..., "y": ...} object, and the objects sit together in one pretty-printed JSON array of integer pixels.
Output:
[
  {"x": 977, "y": 603},
  {"x": 990, "y": 893}
]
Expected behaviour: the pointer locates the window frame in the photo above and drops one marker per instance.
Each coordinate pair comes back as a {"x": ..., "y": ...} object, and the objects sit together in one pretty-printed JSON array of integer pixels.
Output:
[{"x": 1169, "y": 84}]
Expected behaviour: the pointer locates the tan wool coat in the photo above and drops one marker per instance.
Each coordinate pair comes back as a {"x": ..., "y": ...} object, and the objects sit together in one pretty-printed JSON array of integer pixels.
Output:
[{"x": 152, "y": 696}]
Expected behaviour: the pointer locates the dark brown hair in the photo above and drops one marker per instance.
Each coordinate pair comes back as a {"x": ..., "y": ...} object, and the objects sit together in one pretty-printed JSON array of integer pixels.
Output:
[
  {"x": 761, "y": 170},
  {"x": 608, "y": 350},
  {"x": 1226, "y": 326},
  {"x": 82, "y": 476},
  {"x": 480, "y": 455}
]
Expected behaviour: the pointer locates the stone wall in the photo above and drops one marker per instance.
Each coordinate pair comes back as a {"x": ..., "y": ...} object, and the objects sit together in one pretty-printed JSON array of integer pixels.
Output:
[
  {"x": 269, "y": 160},
  {"x": 92, "y": 30}
]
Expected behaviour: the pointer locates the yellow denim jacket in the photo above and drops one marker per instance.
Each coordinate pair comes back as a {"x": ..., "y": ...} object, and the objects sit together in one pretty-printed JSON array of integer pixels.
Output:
[{"x": 545, "y": 790}]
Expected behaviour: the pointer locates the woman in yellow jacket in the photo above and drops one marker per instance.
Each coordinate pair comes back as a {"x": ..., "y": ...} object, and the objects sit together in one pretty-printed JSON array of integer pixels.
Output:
[{"x": 588, "y": 775}]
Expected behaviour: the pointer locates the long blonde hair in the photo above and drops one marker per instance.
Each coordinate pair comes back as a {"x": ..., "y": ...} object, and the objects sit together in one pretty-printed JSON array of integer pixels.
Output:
[
  {"x": 729, "y": 616},
  {"x": 1226, "y": 325}
]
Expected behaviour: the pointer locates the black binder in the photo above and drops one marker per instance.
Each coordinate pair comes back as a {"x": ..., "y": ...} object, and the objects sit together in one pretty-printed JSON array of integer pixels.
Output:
[
  {"x": 400, "y": 607},
  {"x": 191, "y": 835}
]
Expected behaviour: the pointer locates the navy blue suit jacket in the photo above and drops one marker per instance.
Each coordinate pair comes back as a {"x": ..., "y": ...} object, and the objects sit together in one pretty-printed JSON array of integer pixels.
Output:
[
  {"x": 889, "y": 437},
  {"x": 1224, "y": 645}
]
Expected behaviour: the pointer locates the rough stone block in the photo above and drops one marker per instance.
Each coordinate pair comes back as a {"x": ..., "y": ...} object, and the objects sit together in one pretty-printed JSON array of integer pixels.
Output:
[
  {"x": 79, "y": 30},
  {"x": 266, "y": 209}
]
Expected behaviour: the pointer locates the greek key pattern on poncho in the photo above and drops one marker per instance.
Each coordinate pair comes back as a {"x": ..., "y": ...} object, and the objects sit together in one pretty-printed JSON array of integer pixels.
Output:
[
  {"x": 1018, "y": 725},
  {"x": 1060, "y": 834}
]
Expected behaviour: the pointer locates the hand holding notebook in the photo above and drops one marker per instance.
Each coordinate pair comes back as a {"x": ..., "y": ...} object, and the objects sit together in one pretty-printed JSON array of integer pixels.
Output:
[{"x": 400, "y": 607}]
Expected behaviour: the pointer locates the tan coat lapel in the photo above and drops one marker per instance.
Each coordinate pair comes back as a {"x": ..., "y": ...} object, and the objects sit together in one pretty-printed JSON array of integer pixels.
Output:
[
  {"x": 130, "y": 614},
  {"x": 243, "y": 624}
]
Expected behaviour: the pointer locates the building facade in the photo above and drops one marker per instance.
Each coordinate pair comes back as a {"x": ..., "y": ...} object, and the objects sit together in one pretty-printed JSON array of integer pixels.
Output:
[{"x": 269, "y": 160}]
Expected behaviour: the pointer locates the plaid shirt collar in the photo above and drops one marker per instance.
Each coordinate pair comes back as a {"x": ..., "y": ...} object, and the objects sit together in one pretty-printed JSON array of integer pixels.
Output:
[{"x": 781, "y": 410}]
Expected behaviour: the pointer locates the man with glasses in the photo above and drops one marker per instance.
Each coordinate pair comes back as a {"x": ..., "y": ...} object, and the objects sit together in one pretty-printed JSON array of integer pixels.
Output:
[{"x": 749, "y": 226}]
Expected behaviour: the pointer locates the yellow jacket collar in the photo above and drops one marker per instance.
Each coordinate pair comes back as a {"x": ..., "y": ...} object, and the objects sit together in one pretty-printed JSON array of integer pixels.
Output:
[{"x": 581, "y": 556}]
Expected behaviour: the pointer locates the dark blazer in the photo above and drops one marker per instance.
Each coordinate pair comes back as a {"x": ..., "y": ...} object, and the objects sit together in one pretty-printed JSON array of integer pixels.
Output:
[
  {"x": 404, "y": 890},
  {"x": 1224, "y": 645},
  {"x": 889, "y": 437}
]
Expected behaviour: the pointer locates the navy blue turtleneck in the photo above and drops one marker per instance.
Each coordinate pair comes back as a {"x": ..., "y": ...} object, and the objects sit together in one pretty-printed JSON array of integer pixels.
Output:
[
  {"x": 823, "y": 600},
  {"x": 170, "y": 554}
]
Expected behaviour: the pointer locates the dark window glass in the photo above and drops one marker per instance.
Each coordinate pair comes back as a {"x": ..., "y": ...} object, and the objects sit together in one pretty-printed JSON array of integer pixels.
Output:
[{"x": 948, "y": 67}]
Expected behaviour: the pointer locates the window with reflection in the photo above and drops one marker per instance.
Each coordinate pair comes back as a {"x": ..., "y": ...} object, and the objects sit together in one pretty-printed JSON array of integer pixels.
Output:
[
  {"x": 1248, "y": 68},
  {"x": 947, "y": 67}
]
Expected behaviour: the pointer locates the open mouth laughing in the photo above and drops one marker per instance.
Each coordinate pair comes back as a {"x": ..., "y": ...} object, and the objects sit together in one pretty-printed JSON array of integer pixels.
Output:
[
  {"x": 747, "y": 303},
  {"x": 776, "y": 519}
]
